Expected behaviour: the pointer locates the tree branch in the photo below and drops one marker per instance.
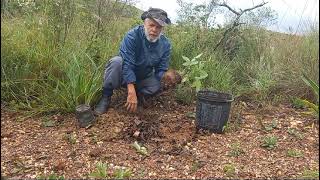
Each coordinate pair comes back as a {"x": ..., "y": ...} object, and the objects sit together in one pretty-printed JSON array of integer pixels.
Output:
[
  {"x": 257, "y": 6},
  {"x": 237, "y": 19}
]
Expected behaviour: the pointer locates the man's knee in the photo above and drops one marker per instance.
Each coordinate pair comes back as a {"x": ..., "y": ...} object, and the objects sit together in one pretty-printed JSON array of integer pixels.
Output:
[
  {"x": 115, "y": 62},
  {"x": 150, "y": 90},
  {"x": 113, "y": 73}
]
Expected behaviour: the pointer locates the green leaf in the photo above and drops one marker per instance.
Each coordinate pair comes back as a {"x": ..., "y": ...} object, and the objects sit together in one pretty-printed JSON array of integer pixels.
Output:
[
  {"x": 198, "y": 56},
  {"x": 312, "y": 84},
  {"x": 311, "y": 105},
  {"x": 203, "y": 75},
  {"x": 197, "y": 85},
  {"x": 193, "y": 63},
  {"x": 186, "y": 58}
]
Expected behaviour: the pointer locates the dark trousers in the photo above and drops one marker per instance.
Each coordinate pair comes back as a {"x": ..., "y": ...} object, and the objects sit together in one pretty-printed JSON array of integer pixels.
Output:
[{"x": 113, "y": 79}]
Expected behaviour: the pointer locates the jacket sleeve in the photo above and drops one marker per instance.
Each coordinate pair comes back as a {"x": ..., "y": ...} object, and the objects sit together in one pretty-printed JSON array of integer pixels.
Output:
[
  {"x": 163, "y": 65},
  {"x": 127, "y": 52}
]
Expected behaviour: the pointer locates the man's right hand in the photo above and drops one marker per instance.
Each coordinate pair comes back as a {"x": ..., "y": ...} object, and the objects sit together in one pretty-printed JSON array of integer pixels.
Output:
[{"x": 132, "y": 101}]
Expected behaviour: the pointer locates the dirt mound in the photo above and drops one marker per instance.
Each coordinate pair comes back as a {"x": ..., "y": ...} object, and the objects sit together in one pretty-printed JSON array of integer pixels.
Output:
[{"x": 143, "y": 128}]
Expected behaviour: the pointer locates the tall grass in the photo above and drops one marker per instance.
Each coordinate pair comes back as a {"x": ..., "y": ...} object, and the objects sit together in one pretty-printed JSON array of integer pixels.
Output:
[{"x": 53, "y": 63}]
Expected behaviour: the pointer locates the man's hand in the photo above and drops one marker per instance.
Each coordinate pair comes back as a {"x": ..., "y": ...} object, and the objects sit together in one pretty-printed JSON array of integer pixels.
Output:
[
  {"x": 170, "y": 79},
  {"x": 132, "y": 101}
]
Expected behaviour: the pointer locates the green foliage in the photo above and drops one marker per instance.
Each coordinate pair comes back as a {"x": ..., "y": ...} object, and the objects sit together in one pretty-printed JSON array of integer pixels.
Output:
[
  {"x": 53, "y": 53},
  {"x": 295, "y": 133},
  {"x": 269, "y": 142},
  {"x": 236, "y": 150},
  {"x": 185, "y": 94},
  {"x": 100, "y": 171},
  {"x": 271, "y": 126},
  {"x": 297, "y": 103},
  {"x": 310, "y": 174},
  {"x": 194, "y": 73},
  {"x": 52, "y": 176},
  {"x": 122, "y": 173},
  {"x": 140, "y": 149},
  {"x": 313, "y": 108},
  {"x": 294, "y": 153},
  {"x": 229, "y": 170}
]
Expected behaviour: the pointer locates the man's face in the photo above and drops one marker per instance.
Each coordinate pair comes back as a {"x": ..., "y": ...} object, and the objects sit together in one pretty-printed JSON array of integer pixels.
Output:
[{"x": 152, "y": 30}]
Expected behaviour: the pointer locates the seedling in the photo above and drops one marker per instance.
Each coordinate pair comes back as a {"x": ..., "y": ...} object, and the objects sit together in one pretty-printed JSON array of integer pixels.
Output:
[
  {"x": 310, "y": 174},
  {"x": 122, "y": 173},
  {"x": 100, "y": 171},
  {"x": 269, "y": 142},
  {"x": 236, "y": 150},
  {"x": 229, "y": 170},
  {"x": 295, "y": 133},
  {"x": 271, "y": 126},
  {"x": 140, "y": 149},
  {"x": 52, "y": 176},
  {"x": 294, "y": 153}
]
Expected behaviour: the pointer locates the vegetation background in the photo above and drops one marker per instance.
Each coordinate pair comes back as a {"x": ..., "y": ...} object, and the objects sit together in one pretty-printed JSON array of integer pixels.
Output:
[{"x": 54, "y": 52}]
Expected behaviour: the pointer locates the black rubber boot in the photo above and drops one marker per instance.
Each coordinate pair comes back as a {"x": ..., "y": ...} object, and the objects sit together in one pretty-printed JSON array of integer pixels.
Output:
[{"x": 103, "y": 105}]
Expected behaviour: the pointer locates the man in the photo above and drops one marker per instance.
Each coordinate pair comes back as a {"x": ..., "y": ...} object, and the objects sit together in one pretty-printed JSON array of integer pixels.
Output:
[{"x": 142, "y": 62}]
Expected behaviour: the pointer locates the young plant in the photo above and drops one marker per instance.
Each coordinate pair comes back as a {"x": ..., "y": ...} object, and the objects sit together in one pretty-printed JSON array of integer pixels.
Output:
[
  {"x": 52, "y": 176},
  {"x": 294, "y": 153},
  {"x": 269, "y": 142},
  {"x": 310, "y": 174},
  {"x": 101, "y": 171},
  {"x": 229, "y": 170},
  {"x": 295, "y": 133},
  {"x": 194, "y": 73},
  {"x": 271, "y": 126},
  {"x": 236, "y": 150},
  {"x": 140, "y": 149},
  {"x": 122, "y": 173}
]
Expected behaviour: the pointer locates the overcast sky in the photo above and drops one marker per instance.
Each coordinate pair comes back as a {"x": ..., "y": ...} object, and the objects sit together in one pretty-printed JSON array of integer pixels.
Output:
[{"x": 291, "y": 13}]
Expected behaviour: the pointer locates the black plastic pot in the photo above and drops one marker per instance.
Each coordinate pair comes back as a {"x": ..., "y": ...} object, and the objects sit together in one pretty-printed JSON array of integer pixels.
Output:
[
  {"x": 84, "y": 115},
  {"x": 212, "y": 111}
]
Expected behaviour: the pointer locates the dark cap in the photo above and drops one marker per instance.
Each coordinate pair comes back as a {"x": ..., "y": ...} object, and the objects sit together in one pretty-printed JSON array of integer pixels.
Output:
[{"x": 158, "y": 15}]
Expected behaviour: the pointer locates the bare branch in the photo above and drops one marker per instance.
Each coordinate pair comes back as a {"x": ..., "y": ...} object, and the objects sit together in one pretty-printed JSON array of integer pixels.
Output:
[
  {"x": 237, "y": 19},
  {"x": 257, "y": 6},
  {"x": 227, "y": 6}
]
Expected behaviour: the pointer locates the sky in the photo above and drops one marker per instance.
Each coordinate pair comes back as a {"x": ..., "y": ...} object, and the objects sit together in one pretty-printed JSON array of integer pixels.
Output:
[{"x": 294, "y": 16}]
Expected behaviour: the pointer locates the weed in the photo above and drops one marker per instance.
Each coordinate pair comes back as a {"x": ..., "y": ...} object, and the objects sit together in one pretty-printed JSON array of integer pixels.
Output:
[
  {"x": 122, "y": 173},
  {"x": 229, "y": 170},
  {"x": 70, "y": 137},
  {"x": 313, "y": 108},
  {"x": 271, "y": 126},
  {"x": 295, "y": 133},
  {"x": 52, "y": 176},
  {"x": 236, "y": 150},
  {"x": 294, "y": 153},
  {"x": 184, "y": 94},
  {"x": 100, "y": 171},
  {"x": 297, "y": 103},
  {"x": 140, "y": 149},
  {"x": 310, "y": 174},
  {"x": 269, "y": 142}
]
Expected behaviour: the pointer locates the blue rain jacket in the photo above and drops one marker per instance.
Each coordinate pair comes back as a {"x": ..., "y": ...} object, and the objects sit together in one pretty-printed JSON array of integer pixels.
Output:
[{"x": 141, "y": 58}]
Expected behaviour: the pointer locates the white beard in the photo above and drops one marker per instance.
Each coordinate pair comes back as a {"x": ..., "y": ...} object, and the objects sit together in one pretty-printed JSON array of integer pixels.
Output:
[{"x": 152, "y": 39}]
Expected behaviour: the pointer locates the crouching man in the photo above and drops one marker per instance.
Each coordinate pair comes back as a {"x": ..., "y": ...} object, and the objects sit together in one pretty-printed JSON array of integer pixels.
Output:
[{"x": 142, "y": 63}]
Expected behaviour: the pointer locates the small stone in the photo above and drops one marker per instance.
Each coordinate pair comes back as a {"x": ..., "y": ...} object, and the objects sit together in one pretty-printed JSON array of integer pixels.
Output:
[{"x": 136, "y": 134}]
